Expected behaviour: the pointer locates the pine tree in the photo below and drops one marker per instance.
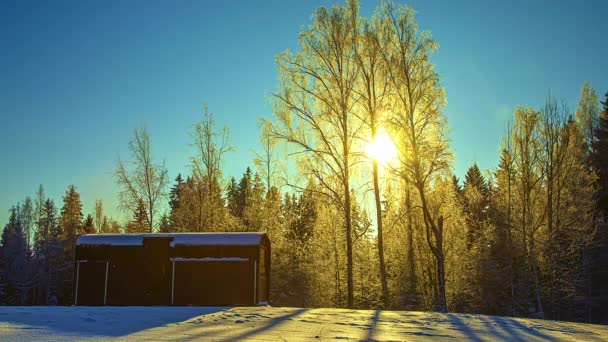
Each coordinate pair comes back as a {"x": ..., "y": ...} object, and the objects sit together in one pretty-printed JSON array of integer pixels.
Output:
[
  {"x": 39, "y": 210},
  {"x": 486, "y": 265},
  {"x": 49, "y": 254},
  {"x": 174, "y": 194},
  {"x": 244, "y": 190},
  {"x": 105, "y": 226},
  {"x": 174, "y": 202},
  {"x": 165, "y": 224},
  {"x": 71, "y": 219},
  {"x": 138, "y": 224},
  {"x": 17, "y": 273},
  {"x": 88, "y": 225},
  {"x": 476, "y": 203},
  {"x": 600, "y": 160},
  {"x": 70, "y": 229},
  {"x": 302, "y": 227},
  {"x": 253, "y": 211},
  {"x": 457, "y": 187},
  {"x": 7, "y": 257},
  {"x": 114, "y": 227},
  {"x": 232, "y": 197},
  {"x": 110, "y": 226},
  {"x": 598, "y": 256},
  {"x": 502, "y": 204},
  {"x": 28, "y": 213}
]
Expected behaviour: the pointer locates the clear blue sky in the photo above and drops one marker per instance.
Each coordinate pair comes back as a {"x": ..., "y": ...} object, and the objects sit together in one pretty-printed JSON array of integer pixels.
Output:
[{"x": 77, "y": 77}]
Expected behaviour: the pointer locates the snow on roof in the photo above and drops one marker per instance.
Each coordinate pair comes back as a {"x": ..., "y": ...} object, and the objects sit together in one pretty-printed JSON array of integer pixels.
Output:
[
  {"x": 179, "y": 239},
  {"x": 216, "y": 239},
  {"x": 111, "y": 239},
  {"x": 207, "y": 259}
]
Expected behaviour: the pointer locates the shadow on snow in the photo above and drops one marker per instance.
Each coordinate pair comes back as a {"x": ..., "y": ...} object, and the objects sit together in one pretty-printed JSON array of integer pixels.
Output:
[{"x": 100, "y": 320}]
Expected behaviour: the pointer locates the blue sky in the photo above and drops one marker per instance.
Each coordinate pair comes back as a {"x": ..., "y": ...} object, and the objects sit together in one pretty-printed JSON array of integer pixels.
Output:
[{"x": 76, "y": 77}]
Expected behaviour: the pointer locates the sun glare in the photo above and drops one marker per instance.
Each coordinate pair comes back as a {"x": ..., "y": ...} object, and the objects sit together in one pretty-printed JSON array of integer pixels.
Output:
[{"x": 382, "y": 149}]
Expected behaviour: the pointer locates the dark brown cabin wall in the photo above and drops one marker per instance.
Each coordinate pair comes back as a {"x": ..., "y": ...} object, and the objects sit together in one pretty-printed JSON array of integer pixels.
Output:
[{"x": 143, "y": 274}]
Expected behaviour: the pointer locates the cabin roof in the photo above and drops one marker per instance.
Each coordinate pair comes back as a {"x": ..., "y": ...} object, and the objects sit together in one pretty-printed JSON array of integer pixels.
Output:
[{"x": 177, "y": 239}]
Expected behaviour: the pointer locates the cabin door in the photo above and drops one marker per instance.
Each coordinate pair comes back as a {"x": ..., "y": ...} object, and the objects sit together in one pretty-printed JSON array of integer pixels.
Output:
[
  {"x": 214, "y": 282},
  {"x": 91, "y": 283}
]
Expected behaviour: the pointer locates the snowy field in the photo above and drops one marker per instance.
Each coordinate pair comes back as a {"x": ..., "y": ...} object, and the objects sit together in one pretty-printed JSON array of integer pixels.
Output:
[{"x": 275, "y": 324}]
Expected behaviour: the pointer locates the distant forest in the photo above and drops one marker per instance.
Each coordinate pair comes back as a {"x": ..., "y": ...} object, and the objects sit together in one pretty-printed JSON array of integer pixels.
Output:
[{"x": 347, "y": 227}]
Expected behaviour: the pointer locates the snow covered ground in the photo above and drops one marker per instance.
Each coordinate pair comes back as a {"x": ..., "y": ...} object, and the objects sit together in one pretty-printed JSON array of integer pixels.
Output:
[{"x": 275, "y": 324}]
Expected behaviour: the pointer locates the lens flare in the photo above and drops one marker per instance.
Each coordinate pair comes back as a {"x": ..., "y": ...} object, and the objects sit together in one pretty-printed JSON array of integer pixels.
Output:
[{"x": 382, "y": 148}]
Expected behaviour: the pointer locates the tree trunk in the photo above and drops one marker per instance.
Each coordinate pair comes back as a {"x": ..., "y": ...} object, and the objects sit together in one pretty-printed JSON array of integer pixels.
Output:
[
  {"x": 347, "y": 207},
  {"x": 536, "y": 280},
  {"x": 436, "y": 231},
  {"x": 385, "y": 296},
  {"x": 510, "y": 241},
  {"x": 338, "y": 282},
  {"x": 150, "y": 210},
  {"x": 410, "y": 245},
  {"x": 443, "y": 307},
  {"x": 200, "y": 206},
  {"x": 551, "y": 237},
  {"x": 349, "y": 238}
]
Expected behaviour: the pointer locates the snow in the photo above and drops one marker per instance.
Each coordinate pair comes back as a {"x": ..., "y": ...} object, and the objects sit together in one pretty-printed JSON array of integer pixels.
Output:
[
  {"x": 216, "y": 239},
  {"x": 179, "y": 239},
  {"x": 272, "y": 324},
  {"x": 209, "y": 259},
  {"x": 111, "y": 239}
]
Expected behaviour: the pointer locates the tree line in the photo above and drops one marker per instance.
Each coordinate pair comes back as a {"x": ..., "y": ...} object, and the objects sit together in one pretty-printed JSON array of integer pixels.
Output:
[{"x": 527, "y": 239}]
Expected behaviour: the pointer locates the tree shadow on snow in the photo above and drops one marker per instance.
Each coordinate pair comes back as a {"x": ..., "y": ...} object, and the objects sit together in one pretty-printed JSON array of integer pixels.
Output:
[
  {"x": 470, "y": 333},
  {"x": 372, "y": 328},
  {"x": 519, "y": 332},
  {"x": 272, "y": 323},
  {"x": 101, "y": 321},
  {"x": 509, "y": 329}
]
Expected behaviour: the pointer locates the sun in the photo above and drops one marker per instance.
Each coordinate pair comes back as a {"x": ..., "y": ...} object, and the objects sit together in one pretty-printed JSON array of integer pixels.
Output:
[{"x": 382, "y": 148}]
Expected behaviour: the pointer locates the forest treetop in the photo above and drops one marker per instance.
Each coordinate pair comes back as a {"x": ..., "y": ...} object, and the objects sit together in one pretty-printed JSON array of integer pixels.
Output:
[{"x": 78, "y": 89}]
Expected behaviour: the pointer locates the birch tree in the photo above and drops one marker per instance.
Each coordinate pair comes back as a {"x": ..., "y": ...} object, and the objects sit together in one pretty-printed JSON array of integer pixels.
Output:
[
  {"x": 587, "y": 113},
  {"x": 373, "y": 89},
  {"x": 99, "y": 216},
  {"x": 141, "y": 179},
  {"x": 210, "y": 147},
  {"x": 314, "y": 106},
  {"x": 528, "y": 161},
  {"x": 417, "y": 122},
  {"x": 265, "y": 160}
]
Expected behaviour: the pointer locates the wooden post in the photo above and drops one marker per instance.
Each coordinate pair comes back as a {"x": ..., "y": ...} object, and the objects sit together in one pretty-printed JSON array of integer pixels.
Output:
[
  {"x": 77, "y": 277},
  {"x": 105, "y": 289},
  {"x": 172, "y": 281}
]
